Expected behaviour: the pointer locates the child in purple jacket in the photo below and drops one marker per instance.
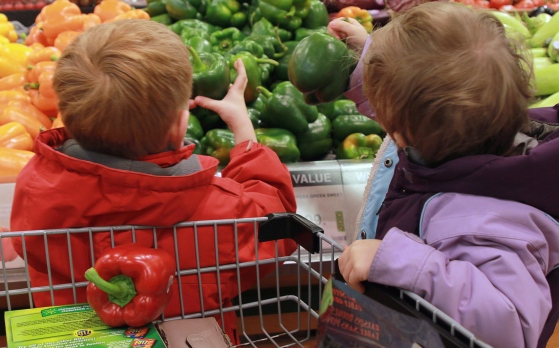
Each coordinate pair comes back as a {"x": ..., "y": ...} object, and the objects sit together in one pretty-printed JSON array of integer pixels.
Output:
[{"x": 459, "y": 223}]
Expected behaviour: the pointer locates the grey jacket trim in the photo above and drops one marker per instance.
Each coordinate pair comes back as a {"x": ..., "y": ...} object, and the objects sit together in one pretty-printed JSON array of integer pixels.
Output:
[{"x": 184, "y": 167}]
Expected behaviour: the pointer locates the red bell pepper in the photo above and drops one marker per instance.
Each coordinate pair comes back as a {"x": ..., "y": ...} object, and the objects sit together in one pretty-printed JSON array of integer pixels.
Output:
[{"x": 130, "y": 285}]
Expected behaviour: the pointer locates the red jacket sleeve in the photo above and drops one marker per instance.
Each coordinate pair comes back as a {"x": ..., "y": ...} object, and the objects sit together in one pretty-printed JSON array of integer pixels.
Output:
[{"x": 261, "y": 174}]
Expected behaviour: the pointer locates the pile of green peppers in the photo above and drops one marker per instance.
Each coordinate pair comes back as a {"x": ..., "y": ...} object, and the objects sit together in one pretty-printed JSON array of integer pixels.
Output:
[{"x": 294, "y": 95}]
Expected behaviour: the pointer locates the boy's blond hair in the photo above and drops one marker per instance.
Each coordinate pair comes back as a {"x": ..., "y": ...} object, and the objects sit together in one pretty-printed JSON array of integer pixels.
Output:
[
  {"x": 449, "y": 81},
  {"x": 122, "y": 85}
]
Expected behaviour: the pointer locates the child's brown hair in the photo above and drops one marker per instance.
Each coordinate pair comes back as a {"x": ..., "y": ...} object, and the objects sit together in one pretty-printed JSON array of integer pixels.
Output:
[
  {"x": 122, "y": 85},
  {"x": 449, "y": 80}
]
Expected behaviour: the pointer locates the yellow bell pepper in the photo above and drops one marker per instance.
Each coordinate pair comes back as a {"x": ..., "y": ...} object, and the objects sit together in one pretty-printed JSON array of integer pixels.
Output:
[
  {"x": 13, "y": 58},
  {"x": 12, "y": 162},
  {"x": 13, "y": 135},
  {"x": 7, "y": 29}
]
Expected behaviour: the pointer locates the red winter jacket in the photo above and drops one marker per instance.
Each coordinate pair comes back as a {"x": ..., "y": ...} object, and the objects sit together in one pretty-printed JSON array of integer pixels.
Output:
[{"x": 58, "y": 191}]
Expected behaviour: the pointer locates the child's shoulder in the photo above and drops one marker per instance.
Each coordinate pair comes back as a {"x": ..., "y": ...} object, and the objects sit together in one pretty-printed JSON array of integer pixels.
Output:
[{"x": 454, "y": 214}]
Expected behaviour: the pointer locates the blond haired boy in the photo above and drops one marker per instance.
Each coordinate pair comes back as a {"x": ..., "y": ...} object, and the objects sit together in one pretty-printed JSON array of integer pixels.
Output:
[{"x": 124, "y": 90}]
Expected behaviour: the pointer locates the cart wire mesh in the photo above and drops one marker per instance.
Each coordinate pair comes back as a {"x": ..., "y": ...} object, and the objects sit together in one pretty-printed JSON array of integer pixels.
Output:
[{"x": 279, "y": 310}]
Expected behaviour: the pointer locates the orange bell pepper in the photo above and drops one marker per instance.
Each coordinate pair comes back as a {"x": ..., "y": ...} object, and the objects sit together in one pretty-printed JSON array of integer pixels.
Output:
[
  {"x": 44, "y": 54},
  {"x": 57, "y": 24},
  {"x": 36, "y": 46},
  {"x": 37, "y": 69},
  {"x": 12, "y": 162},
  {"x": 91, "y": 21},
  {"x": 13, "y": 81},
  {"x": 58, "y": 8},
  {"x": 36, "y": 36},
  {"x": 65, "y": 38},
  {"x": 13, "y": 135},
  {"x": 133, "y": 14},
  {"x": 361, "y": 15},
  {"x": 57, "y": 123},
  {"x": 10, "y": 95},
  {"x": 109, "y": 9},
  {"x": 31, "y": 124},
  {"x": 49, "y": 106},
  {"x": 32, "y": 110}
]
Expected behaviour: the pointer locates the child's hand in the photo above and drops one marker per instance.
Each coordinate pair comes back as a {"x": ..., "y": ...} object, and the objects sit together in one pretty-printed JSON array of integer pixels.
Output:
[
  {"x": 232, "y": 108},
  {"x": 355, "y": 262},
  {"x": 349, "y": 29}
]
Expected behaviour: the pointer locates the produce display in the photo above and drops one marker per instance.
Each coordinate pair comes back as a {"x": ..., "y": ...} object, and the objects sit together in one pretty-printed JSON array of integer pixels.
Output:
[{"x": 294, "y": 95}]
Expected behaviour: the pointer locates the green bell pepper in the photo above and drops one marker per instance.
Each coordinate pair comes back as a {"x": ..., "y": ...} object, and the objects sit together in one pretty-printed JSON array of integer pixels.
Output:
[
  {"x": 302, "y": 33},
  {"x": 162, "y": 18},
  {"x": 254, "y": 75},
  {"x": 317, "y": 17},
  {"x": 287, "y": 14},
  {"x": 155, "y": 8},
  {"x": 258, "y": 104},
  {"x": 194, "y": 127},
  {"x": 199, "y": 149},
  {"x": 344, "y": 125},
  {"x": 218, "y": 143},
  {"x": 225, "y": 13},
  {"x": 210, "y": 74},
  {"x": 280, "y": 72},
  {"x": 185, "y": 9},
  {"x": 284, "y": 34},
  {"x": 247, "y": 46},
  {"x": 359, "y": 146},
  {"x": 179, "y": 26},
  {"x": 223, "y": 40},
  {"x": 338, "y": 108},
  {"x": 266, "y": 67},
  {"x": 254, "y": 117},
  {"x": 287, "y": 109},
  {"x": 320, "y": 67},
  {"x": 315, "y": 142},
  {"x": 264, "y": 33},
  {"x": 281, "y": 141},
  {"x": 208, "y": 119},
  {"x": 197, "y": 38}
]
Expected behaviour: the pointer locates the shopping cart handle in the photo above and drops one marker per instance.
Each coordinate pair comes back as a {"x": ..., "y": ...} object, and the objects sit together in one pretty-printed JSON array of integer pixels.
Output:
[{"x": 293, "y": 226}]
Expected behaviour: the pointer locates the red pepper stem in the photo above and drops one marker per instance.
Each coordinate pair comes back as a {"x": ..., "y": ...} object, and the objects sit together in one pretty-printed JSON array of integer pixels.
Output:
[{"x": 120, "y": 288}]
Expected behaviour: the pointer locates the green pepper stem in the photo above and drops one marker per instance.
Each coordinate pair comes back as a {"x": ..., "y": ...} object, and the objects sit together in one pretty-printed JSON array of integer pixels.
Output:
[
  {"x": 266, "y": 61},
  {"x": 291, "y": 12},
  {"x": 264, "y": 91},
  {"x": 197, "y": 63},
  {"x": 119, "y": 288}
]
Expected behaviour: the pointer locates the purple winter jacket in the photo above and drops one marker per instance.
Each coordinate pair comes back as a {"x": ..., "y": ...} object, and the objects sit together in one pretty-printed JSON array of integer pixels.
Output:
[{"x": 523, "y": 241}]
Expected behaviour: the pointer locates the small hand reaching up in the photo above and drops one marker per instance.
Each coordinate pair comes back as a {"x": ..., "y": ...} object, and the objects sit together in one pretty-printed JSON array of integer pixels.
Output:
[
  {"x": 350, "y": 30},
  {"x": 232, "y": 108}
]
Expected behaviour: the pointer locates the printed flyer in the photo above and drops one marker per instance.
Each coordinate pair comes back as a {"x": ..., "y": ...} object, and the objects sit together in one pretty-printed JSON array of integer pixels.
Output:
[
  {"x": 351, "y": 319},
  {"x": 73, "y": 326}
]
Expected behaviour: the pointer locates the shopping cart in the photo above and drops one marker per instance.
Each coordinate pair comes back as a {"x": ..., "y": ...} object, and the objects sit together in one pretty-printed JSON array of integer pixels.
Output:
[{"x": 279, "y": 311}]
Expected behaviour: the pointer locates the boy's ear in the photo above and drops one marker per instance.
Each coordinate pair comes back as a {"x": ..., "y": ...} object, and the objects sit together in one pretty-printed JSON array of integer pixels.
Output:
[{"x": 178, "y": 129}]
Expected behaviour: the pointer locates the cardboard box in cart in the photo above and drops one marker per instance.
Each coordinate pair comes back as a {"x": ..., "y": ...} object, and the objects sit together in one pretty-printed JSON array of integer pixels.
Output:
[{"x": 72, "y": 326}]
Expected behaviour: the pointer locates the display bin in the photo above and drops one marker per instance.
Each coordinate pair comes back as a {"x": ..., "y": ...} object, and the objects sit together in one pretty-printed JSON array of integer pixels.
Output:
[{"x": 272, "y": 313}]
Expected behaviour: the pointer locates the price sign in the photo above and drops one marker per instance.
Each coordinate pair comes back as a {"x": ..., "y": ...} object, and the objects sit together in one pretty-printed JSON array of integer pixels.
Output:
[{"x": 320, "y": 197}]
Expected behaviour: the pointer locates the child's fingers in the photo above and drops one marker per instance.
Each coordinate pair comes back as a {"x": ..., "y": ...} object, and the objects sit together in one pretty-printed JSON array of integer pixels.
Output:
[
  {"x": 191, "y": 104},
  {"x": 241, "y": 80},
  {"x": 206, "y": 103}
]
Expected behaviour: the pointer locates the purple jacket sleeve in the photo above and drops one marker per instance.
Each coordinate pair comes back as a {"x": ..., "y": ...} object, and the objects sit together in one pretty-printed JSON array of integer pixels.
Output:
[
  {"x": 355, "y": 91},
  {"x": 483, "y": 263}
]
